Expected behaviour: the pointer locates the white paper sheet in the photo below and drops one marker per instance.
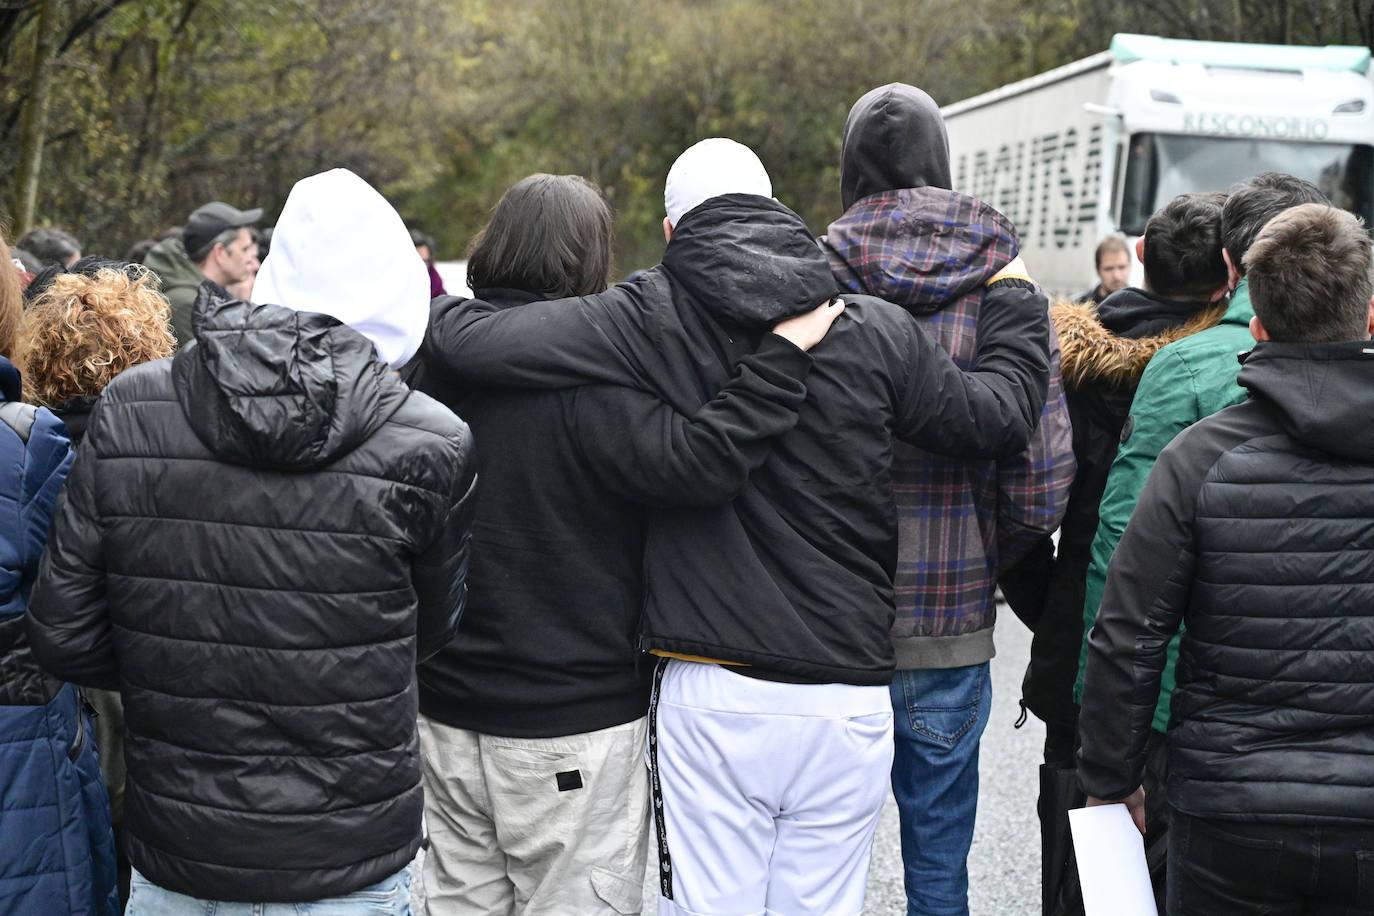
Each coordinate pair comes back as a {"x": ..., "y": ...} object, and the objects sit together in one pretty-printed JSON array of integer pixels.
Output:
[{"x": 1111, "y": 862}]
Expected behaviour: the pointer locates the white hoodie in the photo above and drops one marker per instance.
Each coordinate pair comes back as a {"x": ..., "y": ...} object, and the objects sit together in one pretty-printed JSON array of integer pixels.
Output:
[{"x": 341, "y": 250}]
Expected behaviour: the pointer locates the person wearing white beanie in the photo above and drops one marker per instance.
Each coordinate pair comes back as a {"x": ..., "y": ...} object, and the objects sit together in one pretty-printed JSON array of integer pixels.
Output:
[
  {"x": 340, "y": 249},
  {"x": 711, "y": 168}
]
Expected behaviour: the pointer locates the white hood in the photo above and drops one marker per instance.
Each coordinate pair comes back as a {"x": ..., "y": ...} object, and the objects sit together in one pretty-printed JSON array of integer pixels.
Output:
[{"x": 341, "y": 250}]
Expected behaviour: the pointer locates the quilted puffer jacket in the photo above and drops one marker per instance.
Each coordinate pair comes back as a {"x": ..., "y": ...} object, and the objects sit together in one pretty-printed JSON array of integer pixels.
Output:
[
  {"x": 1256, "y": 530},
  {"x": 259, "y": 539},
  {"x": 56, "y": 848}
]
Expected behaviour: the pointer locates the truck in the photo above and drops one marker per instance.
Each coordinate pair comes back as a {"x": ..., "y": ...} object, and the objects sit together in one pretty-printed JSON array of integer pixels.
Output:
[{"x": 1095, "y": 147}]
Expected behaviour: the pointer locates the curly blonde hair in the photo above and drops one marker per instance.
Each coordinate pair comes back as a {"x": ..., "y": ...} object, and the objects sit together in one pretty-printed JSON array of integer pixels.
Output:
[{"x": 84, "y": 330}]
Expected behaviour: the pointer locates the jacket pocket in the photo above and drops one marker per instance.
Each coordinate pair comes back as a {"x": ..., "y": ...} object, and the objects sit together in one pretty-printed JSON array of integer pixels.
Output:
[
  {"x": 82, "y": 729},
  {"x": 1222, "y": 853}
]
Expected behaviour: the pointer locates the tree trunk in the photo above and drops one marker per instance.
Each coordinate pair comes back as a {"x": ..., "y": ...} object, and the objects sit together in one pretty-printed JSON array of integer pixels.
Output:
[{"x": 34, "y": 129}]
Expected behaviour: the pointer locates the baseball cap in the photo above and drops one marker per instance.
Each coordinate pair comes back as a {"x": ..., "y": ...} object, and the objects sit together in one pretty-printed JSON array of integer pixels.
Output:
[
  {"x": 213, "y": 218},
  {"x": 709, "y": 169}
]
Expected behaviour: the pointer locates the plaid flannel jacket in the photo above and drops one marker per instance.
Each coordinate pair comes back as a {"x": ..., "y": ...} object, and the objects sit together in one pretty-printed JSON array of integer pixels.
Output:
[{"x": 933, "y": 251}]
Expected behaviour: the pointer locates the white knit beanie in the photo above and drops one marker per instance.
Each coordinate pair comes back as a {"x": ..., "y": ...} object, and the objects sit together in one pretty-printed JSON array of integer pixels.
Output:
[{"x": 709, "y": 169}]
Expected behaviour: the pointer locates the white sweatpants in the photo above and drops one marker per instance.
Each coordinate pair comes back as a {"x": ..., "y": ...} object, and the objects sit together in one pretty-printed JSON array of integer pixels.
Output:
[{"x": 766, "y": 795}]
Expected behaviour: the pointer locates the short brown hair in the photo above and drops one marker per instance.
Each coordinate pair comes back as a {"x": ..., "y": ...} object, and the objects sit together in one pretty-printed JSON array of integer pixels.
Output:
[
  {"x": 84, "y": 330},
  {"x": 550, "y": 235},
  {"x": 1108, "y": 245},
  {"x": 1309, "y": 273}
]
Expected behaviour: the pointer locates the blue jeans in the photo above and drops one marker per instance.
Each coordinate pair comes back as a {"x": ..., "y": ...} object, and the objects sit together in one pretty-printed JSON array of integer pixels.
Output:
[
  {"x": 388, "y": 897},
  {"x": 939, "y": 717}
]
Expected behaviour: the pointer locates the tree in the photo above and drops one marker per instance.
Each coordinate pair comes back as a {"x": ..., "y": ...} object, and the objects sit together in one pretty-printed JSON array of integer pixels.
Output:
[{"x": 34, "y": 131}]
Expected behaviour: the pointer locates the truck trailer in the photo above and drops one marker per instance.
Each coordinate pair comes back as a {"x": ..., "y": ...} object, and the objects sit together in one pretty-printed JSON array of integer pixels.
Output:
[{"x": 1096, "y": 146}]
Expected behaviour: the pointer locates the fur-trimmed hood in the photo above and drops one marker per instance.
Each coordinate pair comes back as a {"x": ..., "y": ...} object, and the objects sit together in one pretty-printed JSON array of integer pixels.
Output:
[{"x": 1091, "y": 352}]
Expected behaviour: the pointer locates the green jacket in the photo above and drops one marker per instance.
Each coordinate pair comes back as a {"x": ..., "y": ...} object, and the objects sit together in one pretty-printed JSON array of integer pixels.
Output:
[
  {"x": 1185, "y": 382},
  {"x": 181, "y": 280}
]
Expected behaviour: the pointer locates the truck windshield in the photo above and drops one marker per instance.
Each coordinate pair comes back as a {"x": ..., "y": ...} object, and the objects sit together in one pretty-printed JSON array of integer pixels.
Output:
[{"x": 1159, "y": 167}]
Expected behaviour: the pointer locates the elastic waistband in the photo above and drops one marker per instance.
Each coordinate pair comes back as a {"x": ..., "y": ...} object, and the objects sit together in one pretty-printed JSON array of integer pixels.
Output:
[
  {"x": 923, "y": 652},
  {"x": 715, "y": 688}
]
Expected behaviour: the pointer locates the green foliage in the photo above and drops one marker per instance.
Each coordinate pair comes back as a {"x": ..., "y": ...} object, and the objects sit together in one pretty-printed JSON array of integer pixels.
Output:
[{"x": 160, "y": 105}]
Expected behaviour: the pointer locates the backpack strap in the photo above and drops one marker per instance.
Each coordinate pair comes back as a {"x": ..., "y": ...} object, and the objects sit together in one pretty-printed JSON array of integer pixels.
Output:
[{"x": 19, "y": 417}]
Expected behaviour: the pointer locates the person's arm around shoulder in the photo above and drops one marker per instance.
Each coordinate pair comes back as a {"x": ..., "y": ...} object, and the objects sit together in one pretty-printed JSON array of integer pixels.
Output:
[
  {"x": 439, "y": 572},
  {"x": 549, "y": 344},
  {"x": 649, "y": 453},
  {"x": 1148, "y": 586},
  {"x": 68, "y": 621},
  {"x": 992, "y": 410}
]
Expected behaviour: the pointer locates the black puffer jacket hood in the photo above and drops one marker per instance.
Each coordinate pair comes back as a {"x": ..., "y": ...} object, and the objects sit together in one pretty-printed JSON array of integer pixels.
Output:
[
  {"x": 265, "y": 386},
  {"x": 748, "y": 261},
  {"x": 894, "y": 138},
  {"x": 1315, "y": 388}
]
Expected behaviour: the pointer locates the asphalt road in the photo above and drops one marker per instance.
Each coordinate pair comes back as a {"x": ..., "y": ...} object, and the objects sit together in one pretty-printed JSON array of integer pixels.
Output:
[{"x": 1004, "y": 866}]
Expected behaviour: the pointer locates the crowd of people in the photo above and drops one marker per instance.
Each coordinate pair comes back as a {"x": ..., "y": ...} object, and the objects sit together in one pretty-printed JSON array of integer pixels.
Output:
[{"x": 312, "y": 565}]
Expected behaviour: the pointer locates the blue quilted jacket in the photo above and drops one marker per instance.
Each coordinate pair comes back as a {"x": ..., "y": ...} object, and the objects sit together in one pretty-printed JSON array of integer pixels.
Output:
[{"x": 56, "y": 847}]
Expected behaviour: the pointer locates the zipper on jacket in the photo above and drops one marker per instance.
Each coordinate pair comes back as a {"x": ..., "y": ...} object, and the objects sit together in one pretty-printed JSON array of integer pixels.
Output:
[
  {"x": 83, "y": 709},
  {"x": 1021, "y": 719}
]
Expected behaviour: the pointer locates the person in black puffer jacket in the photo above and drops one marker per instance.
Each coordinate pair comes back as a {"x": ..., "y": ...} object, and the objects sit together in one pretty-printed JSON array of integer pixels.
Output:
[
  {"x": 259, "y": 539},
  {"x": 1256, "y": 529}
]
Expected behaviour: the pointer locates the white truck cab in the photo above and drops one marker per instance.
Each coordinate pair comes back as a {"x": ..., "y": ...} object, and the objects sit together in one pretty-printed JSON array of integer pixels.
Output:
[{"x": 1096, "y": 146}]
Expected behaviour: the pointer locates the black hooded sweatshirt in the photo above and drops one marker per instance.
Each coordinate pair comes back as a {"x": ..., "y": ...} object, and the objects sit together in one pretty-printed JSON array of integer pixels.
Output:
[
  {"x": 795, "y": 575},
  {"x": 258, "y": 539},
  {"x": 894, "y": 138},
  {"x": 1256, "y": 530}
]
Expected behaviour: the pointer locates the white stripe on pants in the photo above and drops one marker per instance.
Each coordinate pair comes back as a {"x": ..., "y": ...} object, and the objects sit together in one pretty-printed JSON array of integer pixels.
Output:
[{"x": 770, "y": 792}]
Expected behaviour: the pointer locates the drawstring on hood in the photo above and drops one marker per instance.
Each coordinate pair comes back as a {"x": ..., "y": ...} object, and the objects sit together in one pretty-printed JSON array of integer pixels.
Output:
[
  {"x": 894, "y": 138},
  {"x": 340, "y": 249}
]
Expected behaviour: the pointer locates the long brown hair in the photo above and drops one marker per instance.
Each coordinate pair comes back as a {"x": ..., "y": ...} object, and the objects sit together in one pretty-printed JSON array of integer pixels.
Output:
[
  {"x": 11, "y": 300},
  {"x": 550, "y": 235}
]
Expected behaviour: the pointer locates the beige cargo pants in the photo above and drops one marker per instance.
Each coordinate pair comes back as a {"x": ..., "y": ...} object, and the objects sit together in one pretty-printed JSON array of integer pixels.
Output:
[{"x": 535, "y": 826}]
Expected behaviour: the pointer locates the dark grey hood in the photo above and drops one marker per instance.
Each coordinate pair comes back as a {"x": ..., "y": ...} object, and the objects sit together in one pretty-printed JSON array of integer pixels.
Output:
[
  {"x": 894, "y": 138},
  {"x": 1324, "y": 393}
]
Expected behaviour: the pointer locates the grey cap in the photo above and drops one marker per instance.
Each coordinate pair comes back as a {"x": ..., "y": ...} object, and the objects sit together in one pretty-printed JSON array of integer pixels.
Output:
[{"x": 213, "y": 218}]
